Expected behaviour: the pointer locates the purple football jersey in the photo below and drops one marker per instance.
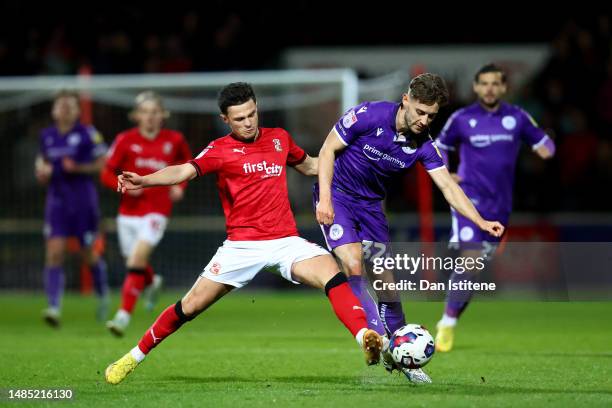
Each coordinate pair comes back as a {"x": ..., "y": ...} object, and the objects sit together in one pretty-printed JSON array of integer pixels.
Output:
[
  {"x": 489, "y": 144},
  {"x": 72, "y": 199},
  {"x": 375, "y": 151}
]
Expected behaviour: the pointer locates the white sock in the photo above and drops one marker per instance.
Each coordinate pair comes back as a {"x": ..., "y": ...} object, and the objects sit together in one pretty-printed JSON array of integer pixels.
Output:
[
  {"x": 359, "y": 336},
  {"x": 137, "y": 354},
  {"x": 448, "y": 320}
]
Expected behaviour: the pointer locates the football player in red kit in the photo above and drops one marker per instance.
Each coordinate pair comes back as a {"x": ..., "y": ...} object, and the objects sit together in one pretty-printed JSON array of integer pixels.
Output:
[{"x": 250, "y": 164}]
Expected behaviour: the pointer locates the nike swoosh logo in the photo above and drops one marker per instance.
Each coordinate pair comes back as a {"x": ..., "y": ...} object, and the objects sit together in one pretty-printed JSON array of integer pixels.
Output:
[{"x": 358, "y": 308}]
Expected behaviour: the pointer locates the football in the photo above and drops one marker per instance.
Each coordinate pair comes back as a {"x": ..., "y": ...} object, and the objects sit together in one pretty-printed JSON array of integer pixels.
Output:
[{"x": 411, "y": 346}]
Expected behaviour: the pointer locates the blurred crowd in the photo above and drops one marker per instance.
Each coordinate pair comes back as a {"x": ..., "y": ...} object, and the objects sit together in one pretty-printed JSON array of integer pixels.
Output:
[{"x": 571, "y": 96}]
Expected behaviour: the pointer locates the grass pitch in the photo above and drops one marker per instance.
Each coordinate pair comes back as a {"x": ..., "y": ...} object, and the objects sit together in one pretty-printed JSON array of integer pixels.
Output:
[{"x": 265, "y": 349}]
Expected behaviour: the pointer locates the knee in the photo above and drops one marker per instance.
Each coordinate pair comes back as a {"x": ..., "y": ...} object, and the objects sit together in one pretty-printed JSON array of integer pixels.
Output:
[
  {"x": 352, "y": 266},
  {"x": 54, "y": 257},
  {"x": 191, "y": 305}
]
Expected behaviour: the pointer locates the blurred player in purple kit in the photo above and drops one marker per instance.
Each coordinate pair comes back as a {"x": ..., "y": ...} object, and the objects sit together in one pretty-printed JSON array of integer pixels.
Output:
[
  {"x": 488, "y": 135},
  {"x": 370, "y": 144},
  {"x": 70, "y": 154}
]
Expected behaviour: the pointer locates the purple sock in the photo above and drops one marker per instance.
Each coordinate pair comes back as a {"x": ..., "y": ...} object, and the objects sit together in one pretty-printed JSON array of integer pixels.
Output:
[
  {"x": 457, "y": 300},
  {"x": 54, "y": 285},
  {"x": 359, "y": 286},
  {"x": 100, "y": 280},
  {"x": 392, "y": 316}
]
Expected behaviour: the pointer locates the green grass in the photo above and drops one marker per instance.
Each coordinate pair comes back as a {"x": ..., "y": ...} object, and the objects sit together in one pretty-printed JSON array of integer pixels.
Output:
[{"x": 287, "y": 349}]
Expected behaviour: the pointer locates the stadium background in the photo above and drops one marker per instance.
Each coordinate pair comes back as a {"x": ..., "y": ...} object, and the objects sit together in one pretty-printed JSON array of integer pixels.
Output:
[{"x": 560, "y": 70}]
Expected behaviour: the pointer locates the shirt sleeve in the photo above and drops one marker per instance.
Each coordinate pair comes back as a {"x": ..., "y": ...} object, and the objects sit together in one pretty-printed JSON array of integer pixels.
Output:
[
  {"x": 209, "y": 160},
  {"x": 296, "y": 154},
  {"x": 98, "y": 147},
  {"x": 116, "y": 154},
  {"x": 353, "y": 124},
  {"x": 449, "y": 136},
  {"x": 183, "y": 153},
  {"x": 530, "y": 132},
  {"x": 430, "y": 157}
]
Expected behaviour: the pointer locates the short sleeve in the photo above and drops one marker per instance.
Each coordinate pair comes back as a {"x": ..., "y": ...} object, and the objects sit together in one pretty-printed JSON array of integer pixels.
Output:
[
  {"x": 530, "y": 132},
  {"x": 296, "y": 154},
  {"x": 115, "y": 155},
  {"x": 354, "y": 123},
  {"x": 209, "y": 160},
  {"x": 449, "y": 136},
  {"x": 430, "y": 157}
]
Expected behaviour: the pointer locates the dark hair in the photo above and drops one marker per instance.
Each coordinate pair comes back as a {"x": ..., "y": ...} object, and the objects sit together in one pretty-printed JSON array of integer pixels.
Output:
[
  {"x": 233, "y": 94},
  {"x": 490, "y": 68},
  {"x": 428, "y": 89},
  {"x": 66, "y": 93}
]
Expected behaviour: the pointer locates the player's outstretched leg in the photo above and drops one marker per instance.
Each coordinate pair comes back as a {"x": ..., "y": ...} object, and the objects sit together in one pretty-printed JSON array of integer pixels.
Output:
[
  {"x": 322, "y": 272},
  {"x": 203, "y": 294}
]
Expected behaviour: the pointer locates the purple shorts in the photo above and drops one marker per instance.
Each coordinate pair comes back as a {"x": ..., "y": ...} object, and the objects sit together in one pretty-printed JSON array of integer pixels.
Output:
[
  {"x": 354, "y": 221},
  {"x": 81, "y": 222},
  {"x": 467, "y": 235}
]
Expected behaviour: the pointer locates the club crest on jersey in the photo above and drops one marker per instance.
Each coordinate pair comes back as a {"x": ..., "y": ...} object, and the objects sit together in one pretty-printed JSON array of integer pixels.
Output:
[
  {"x": 508, "y": 122},
  {"x": 349, "y": 119},
  {"x": 277, "y": 145},
  {"x": 74, "y": 139},
  {"x": 167, "y": 149},
  {"x": 215, "y": 268},
  {"x": 336, "y": 231}
]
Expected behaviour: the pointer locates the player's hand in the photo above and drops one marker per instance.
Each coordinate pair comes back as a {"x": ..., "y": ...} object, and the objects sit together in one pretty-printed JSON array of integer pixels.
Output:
[
  {"x": 176, "y": 193},
  {"x": 456, "y": 177},
  {"x": 493, "y": 227},
  {"x": 325, "y": 212},
  {"x": 129, "y": 182},
  {"x": 69, "y": 165},
  {"x": 42, "y": 171}
]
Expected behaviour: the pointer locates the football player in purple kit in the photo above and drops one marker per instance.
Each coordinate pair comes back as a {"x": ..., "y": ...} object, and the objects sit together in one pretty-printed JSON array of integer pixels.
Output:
[
  {"x": 70, "y": 154},
  {"x": 370, "y": 144},
  {"x": 488, "y": 135}
]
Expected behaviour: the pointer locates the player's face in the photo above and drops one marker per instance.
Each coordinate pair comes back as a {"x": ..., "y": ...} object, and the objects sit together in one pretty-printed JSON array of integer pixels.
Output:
[
  {"x": 149, "y": 115},
  {"x": 490, "y": 88},
  {"x": 66, "y": 110},
  {"x": 243, "y": 120},
  {"x": 418, "y": 116}
]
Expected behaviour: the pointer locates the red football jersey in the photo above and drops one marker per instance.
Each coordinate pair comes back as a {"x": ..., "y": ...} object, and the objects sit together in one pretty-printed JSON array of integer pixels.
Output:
[
  {"x": 252, "y": 183},
  {"x": 133, "y": 152}
]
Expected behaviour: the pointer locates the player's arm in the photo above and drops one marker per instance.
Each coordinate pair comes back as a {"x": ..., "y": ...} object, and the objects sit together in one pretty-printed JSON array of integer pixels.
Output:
[
  {"x": 42, "y": 169},
  {"x": 455, "y": 196},
  {"x": 168, "y": 176},
  {"x": 71, "y": 166},
  {"x": 309, "y": 167},
  {"x": 546, "y": 148},
  {"x": 327, "y": 156}
]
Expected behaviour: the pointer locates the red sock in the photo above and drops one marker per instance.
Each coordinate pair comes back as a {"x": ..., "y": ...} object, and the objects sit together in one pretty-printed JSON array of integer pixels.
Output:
[
  {"x": 132, "y": 286},
  {"x": 346, "y": 305},
  {"x": 149, "y": 273},
  {"x": 167, "y": 323}
]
